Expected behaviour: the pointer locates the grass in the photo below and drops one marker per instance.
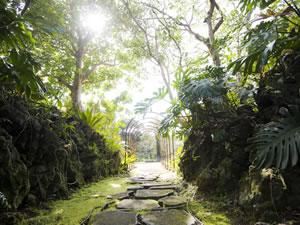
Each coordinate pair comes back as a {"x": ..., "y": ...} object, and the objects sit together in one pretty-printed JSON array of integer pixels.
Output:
[{"x": 74, "y": 210}]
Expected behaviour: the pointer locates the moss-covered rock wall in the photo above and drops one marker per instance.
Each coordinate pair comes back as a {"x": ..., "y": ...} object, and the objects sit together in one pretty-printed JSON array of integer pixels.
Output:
[{"x": 43, "y": 155}]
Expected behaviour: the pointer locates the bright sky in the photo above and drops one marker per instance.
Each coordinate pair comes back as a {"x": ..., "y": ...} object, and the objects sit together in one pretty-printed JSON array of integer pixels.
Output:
[{"x": 148, "y": 83}]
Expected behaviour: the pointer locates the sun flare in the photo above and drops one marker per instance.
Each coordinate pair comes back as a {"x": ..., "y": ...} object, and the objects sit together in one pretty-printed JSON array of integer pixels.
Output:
[{"x": 94, "y": 22}]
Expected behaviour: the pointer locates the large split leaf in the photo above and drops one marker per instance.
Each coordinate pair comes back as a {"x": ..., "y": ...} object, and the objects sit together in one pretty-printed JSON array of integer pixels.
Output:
[
  {"x": 278, "y": 143},
  {"x": 193, "y": 91}
]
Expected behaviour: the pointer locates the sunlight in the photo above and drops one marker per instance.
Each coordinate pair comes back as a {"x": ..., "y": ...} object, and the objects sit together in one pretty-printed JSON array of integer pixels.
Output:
[
  {"x": 115, "y": 185},
  {"x": 94, "y": 21}
]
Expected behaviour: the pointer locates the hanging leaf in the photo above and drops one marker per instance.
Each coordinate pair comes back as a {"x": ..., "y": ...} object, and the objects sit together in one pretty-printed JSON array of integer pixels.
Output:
[{"x": 278, "y": 143}]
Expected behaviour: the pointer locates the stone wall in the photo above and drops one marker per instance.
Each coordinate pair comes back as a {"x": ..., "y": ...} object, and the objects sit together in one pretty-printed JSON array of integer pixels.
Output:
[{"x": 43, "y": 155}]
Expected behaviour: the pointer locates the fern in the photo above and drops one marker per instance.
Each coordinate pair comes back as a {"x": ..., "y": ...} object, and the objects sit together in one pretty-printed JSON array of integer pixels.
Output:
[
  {"x": 278, "y": 143},
  {"x": 91, "y": 119}
]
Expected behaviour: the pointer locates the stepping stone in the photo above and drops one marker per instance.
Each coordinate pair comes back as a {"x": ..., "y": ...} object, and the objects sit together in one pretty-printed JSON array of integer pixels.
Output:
[
  {"x": 138, "y": 177},
  {"x": 169, "y": 217},
  {"x": 121, "y": 195},
  {"x": 134, "y": 188},
  {"x": 134, "y": 204},
  {"x": 156, "y": 184},
  {"x": 150, "y": 178},
  {"x": 141, "y": 180},
  {"x": 136, "y": 182},
  {"x": 163, "y": 187},
  {"x": 172, "y": 201},
  {"x": 115, "y": 217},
  {"x": 155, "y": 194}
]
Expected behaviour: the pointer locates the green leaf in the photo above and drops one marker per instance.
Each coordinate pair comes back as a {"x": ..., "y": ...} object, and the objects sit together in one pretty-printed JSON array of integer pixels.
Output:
[{"x": 277, "y": 143}]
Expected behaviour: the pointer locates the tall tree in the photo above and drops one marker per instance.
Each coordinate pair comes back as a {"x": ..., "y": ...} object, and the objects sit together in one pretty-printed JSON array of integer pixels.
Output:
[
  {"x": 79, "y": 56},
  {"x": 159, "y": 42}
]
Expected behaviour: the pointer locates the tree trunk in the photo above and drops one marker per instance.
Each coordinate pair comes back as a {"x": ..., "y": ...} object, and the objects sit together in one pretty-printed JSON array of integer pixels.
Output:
[
  {"x": 211, "y": 32},
  {"x": 76, "y": 94},
  {"x": 78, "y": 77}
]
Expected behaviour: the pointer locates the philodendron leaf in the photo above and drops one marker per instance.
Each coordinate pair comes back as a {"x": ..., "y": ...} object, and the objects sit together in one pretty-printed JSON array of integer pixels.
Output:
[{"x": 278, "y": 143}]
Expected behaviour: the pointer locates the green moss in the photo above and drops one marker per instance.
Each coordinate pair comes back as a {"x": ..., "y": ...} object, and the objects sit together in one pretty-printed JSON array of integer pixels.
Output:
[
  {"x": 208, "y": 212},
  {"x": 74, "y": 210}
]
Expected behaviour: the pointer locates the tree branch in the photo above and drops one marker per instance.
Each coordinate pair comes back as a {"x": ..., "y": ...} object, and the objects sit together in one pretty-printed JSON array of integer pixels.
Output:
[
  {"x": 218, "y": 25},
  {"x": 171, "y": 36},
  {"x": 61, "y": 80},
  {"x": 142, "y": 29},
  {"x": 94, "y": 68},
  {"x": 27, "y": 4},
  {"x": 186, "y": 26},
  {"x": 221, "y": 19}
]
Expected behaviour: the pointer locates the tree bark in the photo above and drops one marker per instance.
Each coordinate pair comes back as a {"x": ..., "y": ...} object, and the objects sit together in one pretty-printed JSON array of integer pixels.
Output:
[
  {"x": 211, "y": 32},
  {"x": 78, "y": 76},
  {"x": 76, "y": 94}
]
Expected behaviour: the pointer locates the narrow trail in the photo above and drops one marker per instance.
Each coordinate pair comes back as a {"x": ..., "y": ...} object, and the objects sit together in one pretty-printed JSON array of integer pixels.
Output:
[{"x": 154, "y": 199}]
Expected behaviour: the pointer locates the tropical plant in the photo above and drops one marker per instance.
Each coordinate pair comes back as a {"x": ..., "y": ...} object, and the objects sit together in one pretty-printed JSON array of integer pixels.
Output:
[
  {"x": 127, "y": 159},
  {"x": 265, "y": 43},
  {"x": 277, "y": 144},
  {"x": 250, "y": 5},
  {"x": 204, "y": 89},
  {"x": 18, "y": 65},
  {"x": 90, "y": 118},
  {"x": 104, "y": 123}
]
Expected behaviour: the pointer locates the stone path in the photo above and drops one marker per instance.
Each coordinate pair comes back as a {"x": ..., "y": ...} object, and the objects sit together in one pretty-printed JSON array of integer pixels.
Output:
[{"x": 153, "y": 200}]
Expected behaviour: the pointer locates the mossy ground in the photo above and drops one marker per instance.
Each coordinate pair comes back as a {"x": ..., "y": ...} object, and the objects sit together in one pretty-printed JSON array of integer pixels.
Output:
[
  {"x": 209, "y": 213},
  {"x": 77, "y": 207},
  {"x": 73, "y": 210}
]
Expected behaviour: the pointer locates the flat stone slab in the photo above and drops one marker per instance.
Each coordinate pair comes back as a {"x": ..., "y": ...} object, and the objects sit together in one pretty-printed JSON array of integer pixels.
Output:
[
  {"x": 115, "y": 217},
  {"x": 135, "y": 182},
  {"x": 148, "y": 178},
  {"x": 163, "y": 187},
  {"x": 156, "y": 184},
  {"x": 169, "y": 217},
  {"x": 172, "y": 201},
  {"x": 134, "y": 204},
  {"x": 121, "y": 195},
  {"x": 134, "y": 188},
  {"x": 155, "y": 194}
]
